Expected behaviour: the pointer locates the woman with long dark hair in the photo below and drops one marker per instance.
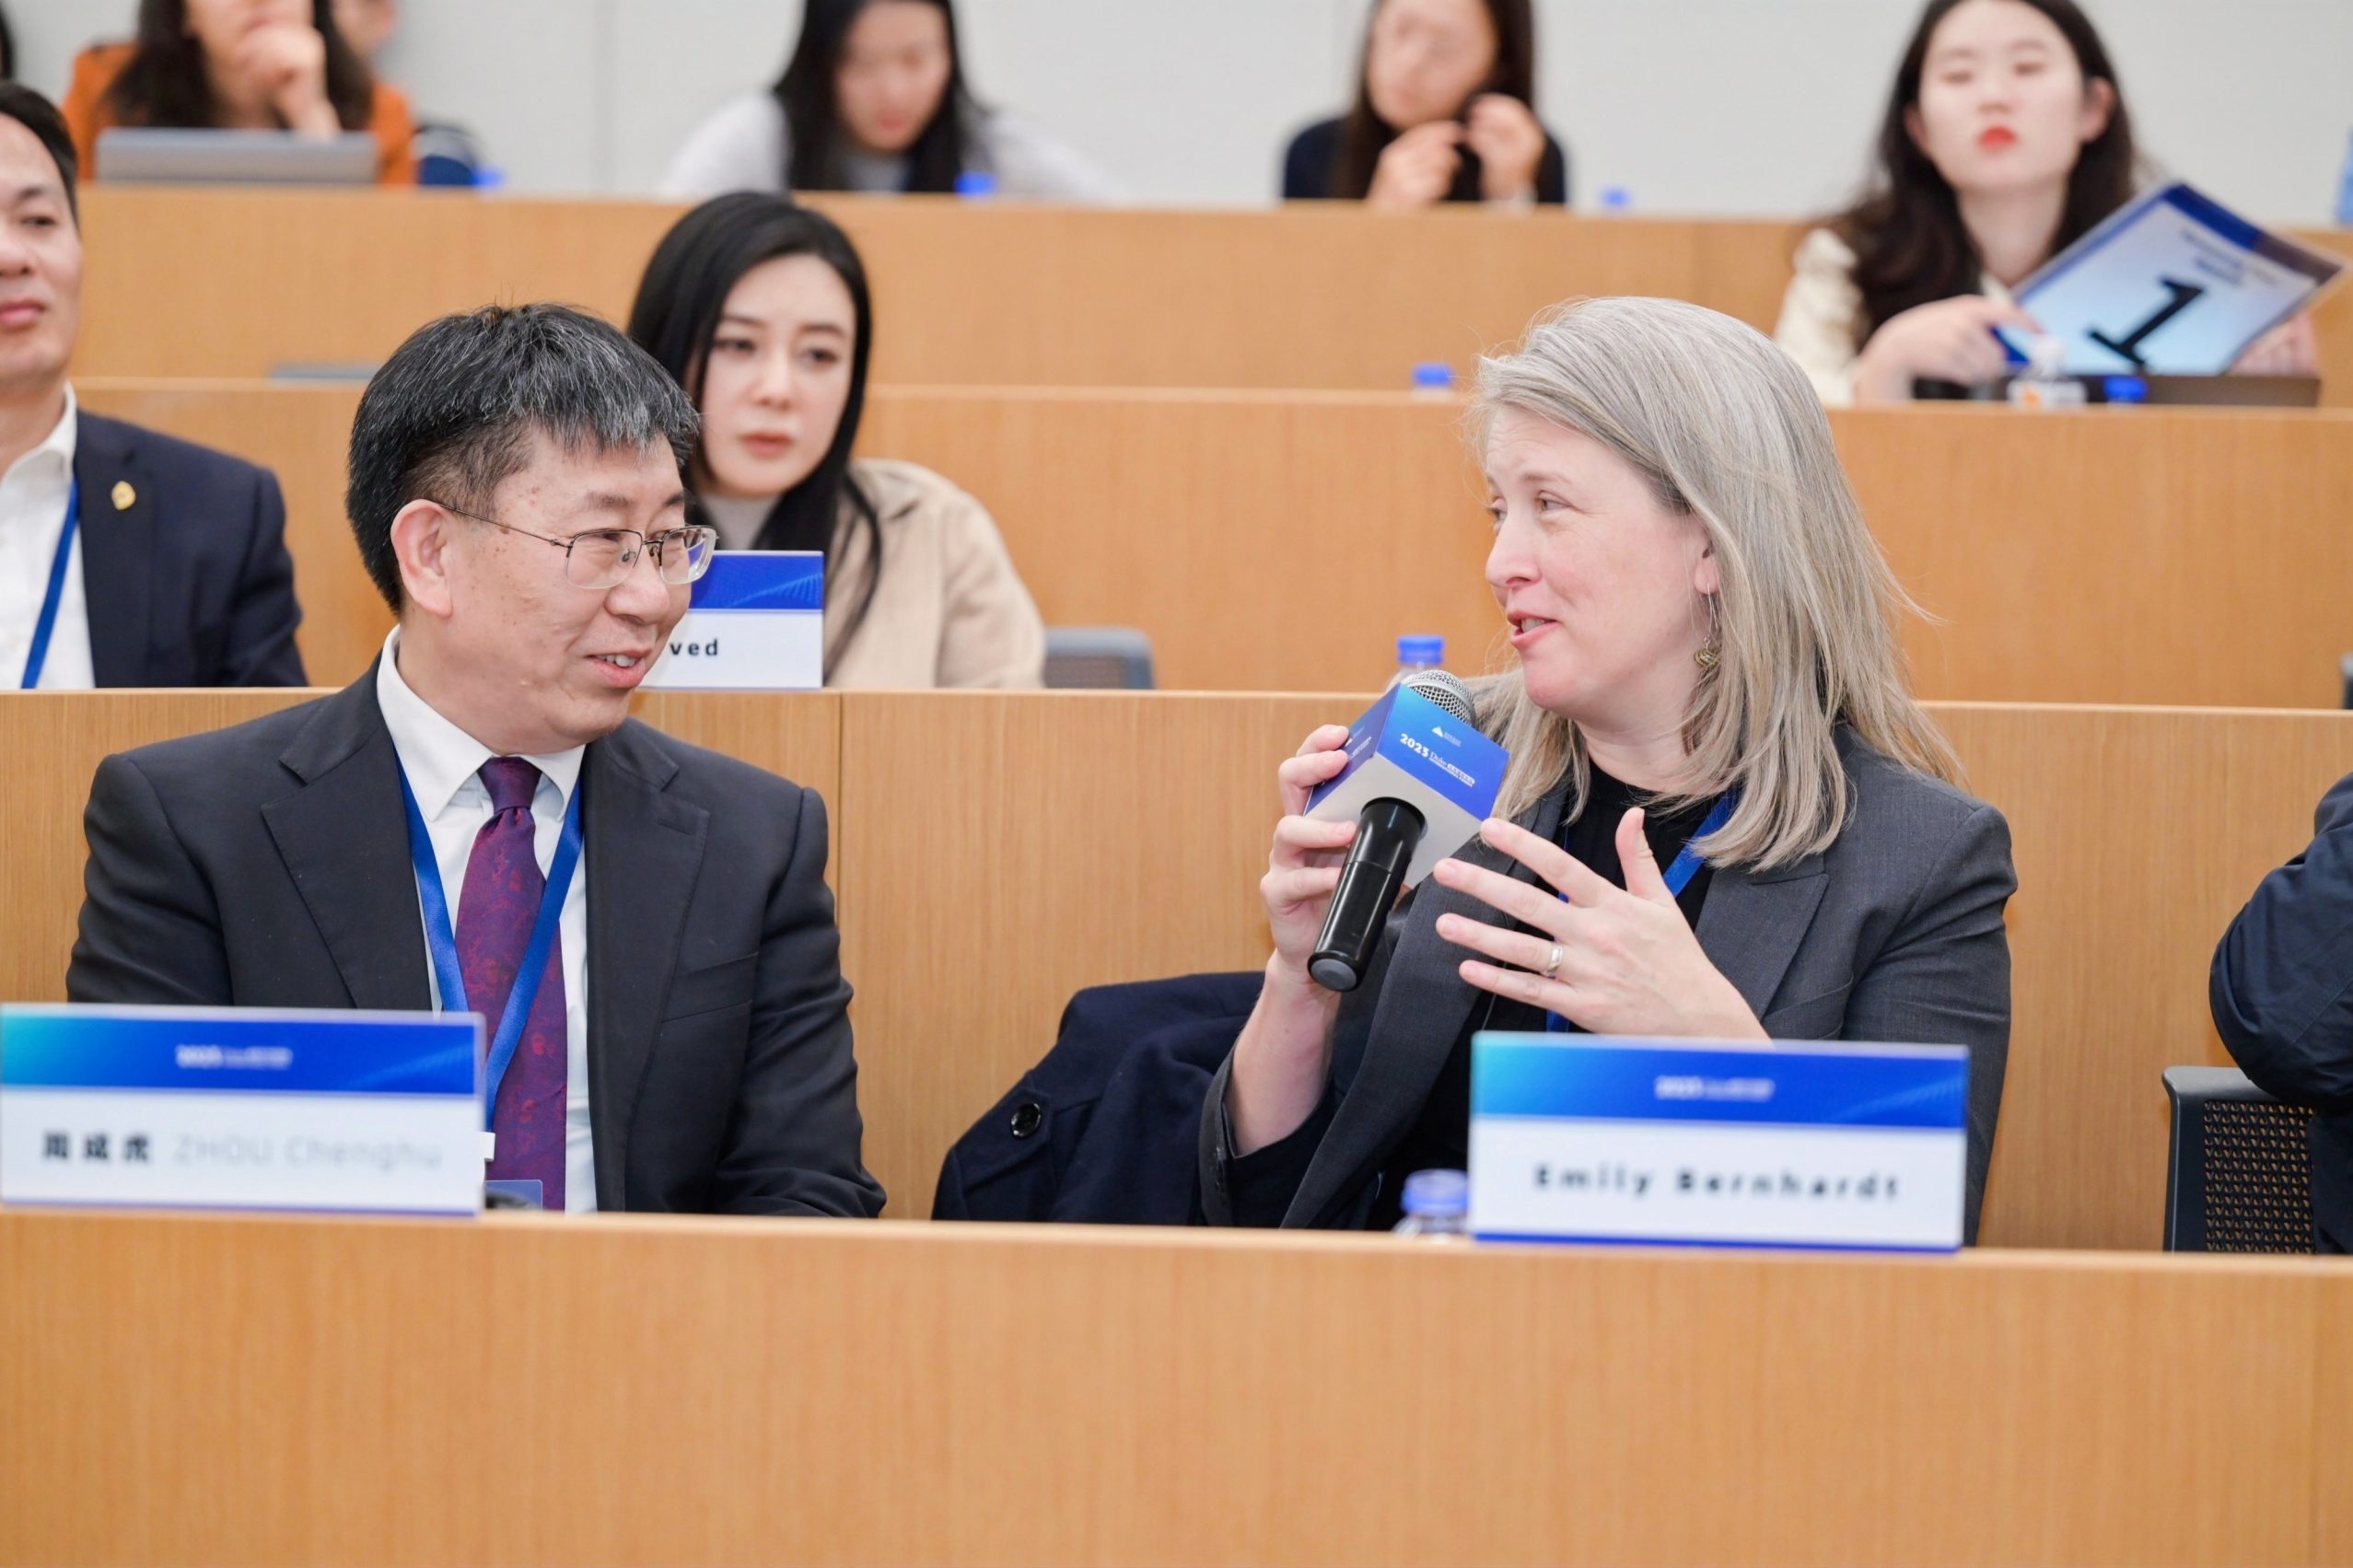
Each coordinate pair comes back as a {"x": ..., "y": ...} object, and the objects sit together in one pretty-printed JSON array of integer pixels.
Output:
[
  {"x": 758, "y": 308},
  {"x": 1445, "y": 111},
  {"x": 2006, "y": 140},
  {"x": 238, "y": 65},
  {"x": 874, "y": 98}
]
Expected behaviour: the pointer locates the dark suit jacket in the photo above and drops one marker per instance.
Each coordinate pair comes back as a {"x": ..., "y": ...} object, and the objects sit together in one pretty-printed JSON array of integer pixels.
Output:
[
  {"x": 2282, "y": 994},
  {"x": 1102, "y": 1131},
  {"x": 1893, "y": 934},
  {"x": 267, "y": 865},
  {"x": 190, "y": 584}
]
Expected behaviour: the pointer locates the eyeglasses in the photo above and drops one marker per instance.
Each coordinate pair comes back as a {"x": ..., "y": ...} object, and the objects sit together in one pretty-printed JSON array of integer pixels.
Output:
[{"x": 603, "y": 558}]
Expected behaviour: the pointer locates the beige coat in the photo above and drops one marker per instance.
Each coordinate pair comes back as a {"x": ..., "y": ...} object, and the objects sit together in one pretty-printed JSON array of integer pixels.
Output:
[
  {"x": 951, "y": 609},
  {"x": 1817, "y": 327}
]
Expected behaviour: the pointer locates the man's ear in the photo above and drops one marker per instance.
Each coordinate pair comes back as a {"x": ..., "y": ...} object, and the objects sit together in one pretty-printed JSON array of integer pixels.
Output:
[{"x": 423, "y": 540}]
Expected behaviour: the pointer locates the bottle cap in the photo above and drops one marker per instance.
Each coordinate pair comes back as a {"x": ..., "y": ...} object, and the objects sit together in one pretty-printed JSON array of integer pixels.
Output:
[
  {"x": 1421, "y": 649},
  {"x": 976, "y": 182},
  {"x": 2125, "y": 390},
  {"x": 1437, "y": 1192},
  {"x": 1616, "y": 198},
  {"x": 1434, "y": 373}
]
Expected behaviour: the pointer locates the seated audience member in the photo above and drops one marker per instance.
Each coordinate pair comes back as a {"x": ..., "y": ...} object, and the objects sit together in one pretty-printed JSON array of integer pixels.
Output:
[
  {"x": 1701, "y": 621},
  {"x": 126, "y": 558},
  {"x": 874, "y": 98},
  {"x": 2006, "y": 140},
  {"x": 1445, "y": 111},
  {"x": 2282, "y": 994},
  {"x": 515, "y": 489},
  {"x": 367, "y": 26},
  {"x": 758, "y": 308},
  {"x": 238, "y": 65}
]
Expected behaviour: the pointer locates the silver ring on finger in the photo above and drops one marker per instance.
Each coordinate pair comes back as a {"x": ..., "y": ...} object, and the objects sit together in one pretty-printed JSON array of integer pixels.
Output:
[{"x": 1553, "y": 968}]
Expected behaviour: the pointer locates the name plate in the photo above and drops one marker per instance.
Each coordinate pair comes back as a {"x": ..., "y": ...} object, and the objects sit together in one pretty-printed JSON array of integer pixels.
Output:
[
  {"x": 1585, "y": 1138},
  {"x": 241, "y": 1109},
  {"x": 756, "y": 623}
]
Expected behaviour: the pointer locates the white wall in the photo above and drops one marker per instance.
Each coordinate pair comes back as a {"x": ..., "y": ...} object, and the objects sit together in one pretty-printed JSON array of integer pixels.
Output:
[{"x": 1691, "y": 106}]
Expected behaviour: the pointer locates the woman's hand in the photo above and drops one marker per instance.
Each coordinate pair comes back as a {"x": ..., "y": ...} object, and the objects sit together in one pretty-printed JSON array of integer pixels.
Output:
[
  {"x": 1303, "y": 868},
  {"x": 1629, "y": 963},
  {"x": 1945, "y": 340},
  {"x": 1417, "y": 169},
  {"x": 288, "y": 64},
  {"x": 2291, "y": 348},
  {"x": 1510, "y": 146}
]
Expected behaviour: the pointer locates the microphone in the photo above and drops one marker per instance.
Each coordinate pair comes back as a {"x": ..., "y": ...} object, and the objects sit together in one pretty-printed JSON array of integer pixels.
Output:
[{"x": 1420, "y": 778}]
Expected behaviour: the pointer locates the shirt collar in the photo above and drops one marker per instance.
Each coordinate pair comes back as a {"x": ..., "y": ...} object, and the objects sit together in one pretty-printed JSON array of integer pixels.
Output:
[
  {"x": 59, "y": 443},
  {"x": 438, "y": 757}
]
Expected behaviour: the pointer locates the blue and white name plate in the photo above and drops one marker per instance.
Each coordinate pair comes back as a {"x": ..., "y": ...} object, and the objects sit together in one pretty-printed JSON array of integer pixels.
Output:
[
  {"x": 756, "y": 623},
  {"x": 1588, "y": 1138},
  {"x": 241, "y": 1107},
  {"x": 1407, "y": 747},
  {"x": 2173, "y": 283}
]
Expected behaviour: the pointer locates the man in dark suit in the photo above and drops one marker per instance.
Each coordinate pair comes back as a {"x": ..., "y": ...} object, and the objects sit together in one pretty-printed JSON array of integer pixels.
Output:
[
  {"x": 2282, "y": 994},
  {"x": 126, "y": 558},
  {"x": 515, "y": 488}
]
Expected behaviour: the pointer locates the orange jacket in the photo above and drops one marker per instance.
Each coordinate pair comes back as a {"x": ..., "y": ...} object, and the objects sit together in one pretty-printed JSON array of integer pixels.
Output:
[{"x": 88, "y": 112}]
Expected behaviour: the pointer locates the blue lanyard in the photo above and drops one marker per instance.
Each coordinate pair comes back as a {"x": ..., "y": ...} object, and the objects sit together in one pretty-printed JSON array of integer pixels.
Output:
[
  {"x": 441, "y": 939},
  {"x": 1679, "y": 872},
  {"x": 56, "y": 595}
]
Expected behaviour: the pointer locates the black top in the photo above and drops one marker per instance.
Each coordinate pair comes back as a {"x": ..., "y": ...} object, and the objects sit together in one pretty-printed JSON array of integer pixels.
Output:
[
  {"x": 1309, "y": 160},
  {"x": 1441, "y": 1137}
]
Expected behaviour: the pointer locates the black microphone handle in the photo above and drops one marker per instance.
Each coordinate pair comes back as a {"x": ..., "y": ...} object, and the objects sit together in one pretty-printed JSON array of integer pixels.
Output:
[{"x": 1388, "y": 832}]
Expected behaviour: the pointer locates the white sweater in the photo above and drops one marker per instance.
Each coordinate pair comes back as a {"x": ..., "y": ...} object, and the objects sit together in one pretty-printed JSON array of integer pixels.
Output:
[{"x": 1817, "y": 326}]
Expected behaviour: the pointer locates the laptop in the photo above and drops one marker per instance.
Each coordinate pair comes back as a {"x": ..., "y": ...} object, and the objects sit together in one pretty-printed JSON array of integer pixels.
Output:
[{"x": 132, "y": 156}]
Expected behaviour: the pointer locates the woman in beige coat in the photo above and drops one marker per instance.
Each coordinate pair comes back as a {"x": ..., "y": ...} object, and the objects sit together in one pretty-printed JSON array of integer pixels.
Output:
[{"x": 758, "y": 308}]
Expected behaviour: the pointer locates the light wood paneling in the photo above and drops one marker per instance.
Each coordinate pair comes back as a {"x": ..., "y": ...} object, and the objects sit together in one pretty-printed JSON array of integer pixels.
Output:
[
  {"x": 539, "y": 1390},
  {"x": 221, "y": 283},
  {"x": 1282, "y": 541},
  {"x": 58, "y": 738}
]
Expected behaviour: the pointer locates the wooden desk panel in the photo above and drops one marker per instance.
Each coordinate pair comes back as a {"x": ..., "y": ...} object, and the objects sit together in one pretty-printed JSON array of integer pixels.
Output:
[
  {"x": 1283, "y": 540},
  {"x": 542, "y": 1391}
]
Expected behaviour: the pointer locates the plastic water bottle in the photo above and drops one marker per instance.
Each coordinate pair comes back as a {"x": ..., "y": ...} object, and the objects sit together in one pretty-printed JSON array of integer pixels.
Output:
[
  {"x": 1437, "y": 1205},
  {"x": 2043, "y": 384},
  {"x": 2345, "y": 191},
  {"x": 1415, "y": 654},
  {"x": 1434, "y": 381}
]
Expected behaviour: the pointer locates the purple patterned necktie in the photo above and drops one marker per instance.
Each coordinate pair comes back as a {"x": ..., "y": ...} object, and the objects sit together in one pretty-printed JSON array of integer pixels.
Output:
[{"x": 496, "y": 912}]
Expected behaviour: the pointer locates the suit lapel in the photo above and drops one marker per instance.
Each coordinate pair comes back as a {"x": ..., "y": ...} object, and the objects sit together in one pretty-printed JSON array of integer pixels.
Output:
[
  {"x": 1421, "y": 1011},
  {"x": 642, "y": 853},
  {"x": 344, "y": 847},
  {"x": 1752, "y": 925},
  {"x": 118, "y": 555}
]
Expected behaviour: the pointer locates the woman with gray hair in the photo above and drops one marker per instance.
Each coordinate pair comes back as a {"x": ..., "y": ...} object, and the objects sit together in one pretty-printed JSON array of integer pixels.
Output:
[{"x": 1704, "y": 660}]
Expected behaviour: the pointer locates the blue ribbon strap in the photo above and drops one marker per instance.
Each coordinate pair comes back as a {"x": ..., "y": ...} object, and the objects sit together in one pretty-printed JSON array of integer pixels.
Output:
[{"x": 42, "y": 628}]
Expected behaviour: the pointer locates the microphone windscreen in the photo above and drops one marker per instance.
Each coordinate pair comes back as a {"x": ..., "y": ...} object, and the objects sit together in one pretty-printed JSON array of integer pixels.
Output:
[{"x": 1446, "y": 690}]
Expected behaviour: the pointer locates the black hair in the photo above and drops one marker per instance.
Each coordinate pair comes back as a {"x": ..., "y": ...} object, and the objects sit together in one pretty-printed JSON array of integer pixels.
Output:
[
  {"x": 453, "y": 412},
  {"x": 164, "y": 82},
  {"x": 7, "y": 49},
  {"x": 1365, "y": 135},
  {"x": 813, "y": 130},
  {"x": 1911, "y": 246},
  {"x": 37, "y": 114},
  {"x": 676, "y": 316}
]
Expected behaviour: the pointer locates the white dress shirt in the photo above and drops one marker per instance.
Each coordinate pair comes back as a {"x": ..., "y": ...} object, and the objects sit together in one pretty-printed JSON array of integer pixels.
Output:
[
  {"x": 33, "y": 519},
  {"x": 443, "y": 763}
]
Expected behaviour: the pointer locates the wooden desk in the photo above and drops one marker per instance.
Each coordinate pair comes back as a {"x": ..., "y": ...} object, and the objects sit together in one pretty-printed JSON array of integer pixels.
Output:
[
  {"x": 539, "y": 1390},
  {"x": 970, "y": 915},
  {"x": 1282, "y": 541},
  {"x": 222, "y": 283}
]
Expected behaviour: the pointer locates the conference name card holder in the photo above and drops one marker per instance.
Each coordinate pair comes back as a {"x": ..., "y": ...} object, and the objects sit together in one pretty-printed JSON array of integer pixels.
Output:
[
  {"x": 2170, "y": 291},
  {"x": 756, "y": 623},
  {"x": 241, "y": 1107},
  {"x": 1849, "y": 1147}
]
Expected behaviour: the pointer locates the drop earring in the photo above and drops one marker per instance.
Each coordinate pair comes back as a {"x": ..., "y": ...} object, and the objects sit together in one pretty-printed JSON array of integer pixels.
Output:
[{"x": 1708, "y": 656}]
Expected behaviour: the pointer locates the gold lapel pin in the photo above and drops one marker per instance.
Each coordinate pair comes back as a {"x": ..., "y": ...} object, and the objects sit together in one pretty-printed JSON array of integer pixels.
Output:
[{"x": 124, "y": 495}]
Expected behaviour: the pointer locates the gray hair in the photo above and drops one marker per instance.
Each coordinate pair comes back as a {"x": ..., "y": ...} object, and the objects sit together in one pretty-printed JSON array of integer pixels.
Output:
[
  {"x": 453, "y": 412},
  {"x": 1728, "y": 430}
]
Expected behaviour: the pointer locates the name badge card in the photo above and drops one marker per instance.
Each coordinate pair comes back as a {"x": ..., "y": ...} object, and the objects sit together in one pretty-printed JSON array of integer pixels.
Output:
[
  {"x": 756, "y": 623},
  {"x": 241, "y": 1107},
  {"x": 1407, "y": 747},
  {"x": 2173, "y": 283},
  {"x": 1585, "y": 1138}
]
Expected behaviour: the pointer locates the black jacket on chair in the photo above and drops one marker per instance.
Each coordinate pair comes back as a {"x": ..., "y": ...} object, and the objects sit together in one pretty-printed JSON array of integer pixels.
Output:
[
  {"x": 184, "y": 564},
  {"x": 1102, "y": 1131}
]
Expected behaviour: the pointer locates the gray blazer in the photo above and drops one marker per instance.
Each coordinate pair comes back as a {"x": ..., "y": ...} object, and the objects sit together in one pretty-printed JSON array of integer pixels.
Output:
[{"x": 1894, "y": 934}]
